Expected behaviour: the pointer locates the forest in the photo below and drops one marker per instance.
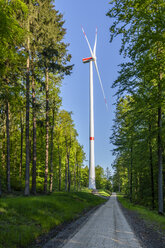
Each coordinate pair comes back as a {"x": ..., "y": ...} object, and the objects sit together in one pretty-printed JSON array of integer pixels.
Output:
[
  {"x": 39, "y": 148},
  {"x": 44, "y": 174},
  {"x": 138, "y": 127}
]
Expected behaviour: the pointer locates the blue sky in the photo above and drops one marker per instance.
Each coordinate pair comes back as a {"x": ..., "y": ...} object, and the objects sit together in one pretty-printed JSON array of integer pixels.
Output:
[{"x": 75, "y": 90}]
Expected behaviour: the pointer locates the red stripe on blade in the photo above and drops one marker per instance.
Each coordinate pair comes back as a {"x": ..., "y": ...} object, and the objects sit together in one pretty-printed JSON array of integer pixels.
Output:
[
  {"x": 91, "y": 138},
  {"x": 86, "y": 59}
]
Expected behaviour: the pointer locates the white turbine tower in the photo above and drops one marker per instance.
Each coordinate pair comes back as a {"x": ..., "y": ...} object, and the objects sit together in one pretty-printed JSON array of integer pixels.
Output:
[{"x": 89, "y": 60}]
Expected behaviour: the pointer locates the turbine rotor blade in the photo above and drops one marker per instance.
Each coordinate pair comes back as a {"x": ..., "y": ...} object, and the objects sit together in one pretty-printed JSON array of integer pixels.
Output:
[
  {"x": 87, "y": 42},
  {"x": 101, "y": 84},
  {"x": 94, "y": 49}
]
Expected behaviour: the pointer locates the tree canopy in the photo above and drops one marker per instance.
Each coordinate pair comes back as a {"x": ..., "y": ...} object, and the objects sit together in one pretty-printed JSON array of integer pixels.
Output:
[{"x": 139, "y": 123}]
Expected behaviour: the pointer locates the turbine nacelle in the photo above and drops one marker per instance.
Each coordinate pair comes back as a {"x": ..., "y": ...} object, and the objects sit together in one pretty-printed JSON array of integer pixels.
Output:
[
  {"x": 87, "y": 60},
  {"x": 93, "y": 58}
]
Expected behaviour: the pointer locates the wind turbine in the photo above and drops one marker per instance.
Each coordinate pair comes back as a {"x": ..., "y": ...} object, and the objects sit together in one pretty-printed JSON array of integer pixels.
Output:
[{"x": 90, "y": 60}]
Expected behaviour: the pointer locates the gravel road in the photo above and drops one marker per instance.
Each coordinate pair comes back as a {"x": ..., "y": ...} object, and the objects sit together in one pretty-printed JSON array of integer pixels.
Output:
[{"x": 106, "y": 228}]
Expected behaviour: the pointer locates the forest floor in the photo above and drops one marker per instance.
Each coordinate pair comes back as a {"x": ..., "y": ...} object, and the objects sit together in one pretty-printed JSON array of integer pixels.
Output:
[{"x": 150, "y": 232}]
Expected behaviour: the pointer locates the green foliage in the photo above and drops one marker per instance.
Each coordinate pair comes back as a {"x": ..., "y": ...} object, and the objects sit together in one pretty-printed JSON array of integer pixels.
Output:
[
  {"x": 102, "y": 181},
  {"x": 33, "y": 30},
  {"x": 11, "y": 33},
  {"x": 100, "y": 178},
  {"x": 85, "y": 176},
  {"x": 103, "y": 178},
  {"x": 139, "y": 123}
]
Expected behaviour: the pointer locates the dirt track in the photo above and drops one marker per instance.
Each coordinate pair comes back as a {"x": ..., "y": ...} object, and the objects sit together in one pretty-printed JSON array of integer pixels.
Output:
[{"x": 106, "y": 228}]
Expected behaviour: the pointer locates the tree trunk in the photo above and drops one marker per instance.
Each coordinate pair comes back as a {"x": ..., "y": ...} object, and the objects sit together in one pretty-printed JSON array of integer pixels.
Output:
[
  {"x": 59, "y": 156},
  {"x": 3, "y": 163},
  {"x": 47, "y": 132},
  {"x": 0, "y": 187},
  {"x": 151, "y": 171},
  {"x": 34, "y": 133},
  {"x": 8, "y": 147},
  {"x": 128, "y": 176},
  {"x": 66, "y": 174},
  {"x": 27, "y": 191},
  {"x": 131, "y": 175},
  {"x": 119, "y": 187},
  {"x": 20, "y": 166},
  {"x": 159, "y": 143},
  {"x": 160, "y": 174},
  {"x": 75, "y": 173},
  {"x": 77, "y": 178},
  {"x": 51, "y": 154},
  {"x": 59, "y": 173}
]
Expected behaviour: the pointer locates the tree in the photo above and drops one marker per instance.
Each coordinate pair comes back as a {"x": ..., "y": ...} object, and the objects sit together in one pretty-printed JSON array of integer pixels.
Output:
[
  {"x": 55, "y": 103},
  {"x": 53, "y": 58},
  {"x": 11, "y": 34},
  {"x": 85, "y": 176},
  {"x": 33, "y": 62},
  {"x": 79, "y": 159},
  {"x": 27, "y": 47},
  {"x": 142, "y": 30},
  {"x": 100, "y": 178},
  {"x": 70, "y": 135}
]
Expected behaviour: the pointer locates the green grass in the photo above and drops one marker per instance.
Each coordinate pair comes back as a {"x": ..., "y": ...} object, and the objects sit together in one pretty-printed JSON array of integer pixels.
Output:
[
  {"x": 86, "y": 190},
  {"x": 23, "y": 219},
  {"x": 104, "y": 192},
  {"x": 152, "y": 217}
]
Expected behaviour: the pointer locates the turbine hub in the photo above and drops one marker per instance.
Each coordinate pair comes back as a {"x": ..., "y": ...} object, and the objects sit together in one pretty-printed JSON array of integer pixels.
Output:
[{"x": 87, "y": 60}]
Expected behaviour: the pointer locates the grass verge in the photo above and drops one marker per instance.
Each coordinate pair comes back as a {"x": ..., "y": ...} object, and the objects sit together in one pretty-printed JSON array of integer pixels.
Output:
[
  {"x": 151, "y": 216},
  {"x": 23, "y": 219},
  {"x": 104, "y": 192}
]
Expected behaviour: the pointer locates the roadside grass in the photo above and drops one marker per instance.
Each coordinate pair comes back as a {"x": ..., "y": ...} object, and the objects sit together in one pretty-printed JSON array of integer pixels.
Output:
[
  {"x": 150, "y": 215},
  {"x": 86, "y": 190},
  {"x": 23, "y": 219},
  {"x": 104, "y": 192}
]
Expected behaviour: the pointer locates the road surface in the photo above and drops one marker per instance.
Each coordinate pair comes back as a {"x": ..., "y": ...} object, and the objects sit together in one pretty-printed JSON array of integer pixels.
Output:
[{"x": 106, "y": 228}]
